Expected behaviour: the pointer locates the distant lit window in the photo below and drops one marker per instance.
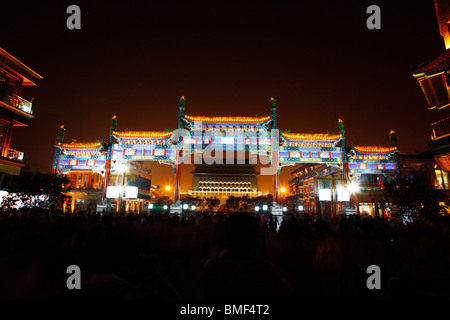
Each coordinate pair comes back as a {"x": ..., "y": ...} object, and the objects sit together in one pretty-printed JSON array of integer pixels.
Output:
[
  {"x": 441, "y": 179},
  {"x": 445, "y": 179}
]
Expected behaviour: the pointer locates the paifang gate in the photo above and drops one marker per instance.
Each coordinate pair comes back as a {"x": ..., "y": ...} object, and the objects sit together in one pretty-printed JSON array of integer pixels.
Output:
[{"x": 214, "y": 137}]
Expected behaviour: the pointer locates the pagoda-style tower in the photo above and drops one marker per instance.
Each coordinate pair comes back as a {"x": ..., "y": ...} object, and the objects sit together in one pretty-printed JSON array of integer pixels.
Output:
[{"x": 433, "y": 77}]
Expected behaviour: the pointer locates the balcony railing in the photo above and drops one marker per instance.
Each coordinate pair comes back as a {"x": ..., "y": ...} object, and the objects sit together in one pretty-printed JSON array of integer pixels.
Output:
[
  {"x": 12, "y": 154},
  {"x": 16, "y": 101},
  {"x": 440, "y": 129}
]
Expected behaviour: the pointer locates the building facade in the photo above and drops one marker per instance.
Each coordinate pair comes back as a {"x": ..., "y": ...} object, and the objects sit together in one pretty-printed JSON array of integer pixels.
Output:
[
  {"x": 224, "y": 180},
  {"x": 15, "y": 111}
]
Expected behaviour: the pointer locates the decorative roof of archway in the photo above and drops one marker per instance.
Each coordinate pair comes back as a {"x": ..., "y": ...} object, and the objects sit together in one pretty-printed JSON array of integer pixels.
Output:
[
  {"x": 142, "y": 134},
  {"x": 81, "y": 145},
  {"x": 312, "y": 136},
  {"x": 374, "y": 149},
  {"x": 240, "y": 120}
]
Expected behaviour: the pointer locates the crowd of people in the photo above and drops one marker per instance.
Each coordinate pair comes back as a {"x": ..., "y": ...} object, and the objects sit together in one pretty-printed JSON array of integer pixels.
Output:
[{"x": 220, "y": 256}]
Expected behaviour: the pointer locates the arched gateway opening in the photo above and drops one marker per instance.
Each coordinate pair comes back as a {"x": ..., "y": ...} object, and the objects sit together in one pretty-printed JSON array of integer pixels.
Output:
[{"x": 210, "y": 139}]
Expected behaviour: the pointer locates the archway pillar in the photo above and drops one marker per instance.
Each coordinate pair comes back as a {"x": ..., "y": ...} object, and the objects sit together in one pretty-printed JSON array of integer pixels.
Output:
[
  {"x": 275, "y": 177},
  {"x": 177, "y": 169}
]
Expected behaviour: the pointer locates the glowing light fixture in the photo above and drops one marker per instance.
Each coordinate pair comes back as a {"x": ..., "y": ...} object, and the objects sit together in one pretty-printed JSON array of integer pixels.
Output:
[
  {"x": 113, "y": 192},
  {"x": 131, "y": 192},
  {"x": 121, "y": 168},
  {"x": 343, "y": 194},
  {"x": 353, "y": 187},
  {"x": 325, "y": 194}
]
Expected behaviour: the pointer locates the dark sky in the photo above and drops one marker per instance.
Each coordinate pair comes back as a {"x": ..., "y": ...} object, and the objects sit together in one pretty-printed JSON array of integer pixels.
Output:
[{"x": 135, "y": 60}]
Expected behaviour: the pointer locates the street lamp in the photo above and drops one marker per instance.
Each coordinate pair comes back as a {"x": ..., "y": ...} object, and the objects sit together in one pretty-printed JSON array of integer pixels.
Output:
[{"x": 168, "y": 188}]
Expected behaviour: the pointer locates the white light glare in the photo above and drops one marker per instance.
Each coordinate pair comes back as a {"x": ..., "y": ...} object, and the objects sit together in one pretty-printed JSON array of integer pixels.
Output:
[
  {"x": 121, "y": 168},
  {"x": 353, "y": 187}
]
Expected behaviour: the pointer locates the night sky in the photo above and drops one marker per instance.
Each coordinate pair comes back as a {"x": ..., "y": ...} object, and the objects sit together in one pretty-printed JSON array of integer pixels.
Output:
[{"x": 135, "y": 59}]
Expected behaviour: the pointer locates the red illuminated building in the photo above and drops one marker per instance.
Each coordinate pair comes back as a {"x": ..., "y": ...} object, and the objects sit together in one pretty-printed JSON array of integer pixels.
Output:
[{"x": 15, "y": 111}]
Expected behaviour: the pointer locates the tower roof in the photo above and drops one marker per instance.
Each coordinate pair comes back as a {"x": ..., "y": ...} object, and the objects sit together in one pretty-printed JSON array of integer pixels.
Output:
[
  {"x": 441, "y": 63},
  {"x": 30, "y": 76}
]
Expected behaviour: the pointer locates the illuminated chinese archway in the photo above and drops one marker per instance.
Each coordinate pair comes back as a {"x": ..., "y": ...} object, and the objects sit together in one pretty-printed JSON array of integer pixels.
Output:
[{"x": 203, "y": 134}]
